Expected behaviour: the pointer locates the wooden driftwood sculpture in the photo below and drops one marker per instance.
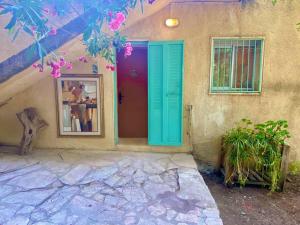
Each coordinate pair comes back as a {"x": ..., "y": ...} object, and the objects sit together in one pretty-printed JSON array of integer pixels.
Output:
[{"x": 32, "y": 123}]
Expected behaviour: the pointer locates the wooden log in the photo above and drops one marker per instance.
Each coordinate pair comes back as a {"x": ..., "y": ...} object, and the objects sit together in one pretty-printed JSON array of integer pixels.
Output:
[
  {"x": 284, "y": 166},
  {"x": 32, "y": 123}
]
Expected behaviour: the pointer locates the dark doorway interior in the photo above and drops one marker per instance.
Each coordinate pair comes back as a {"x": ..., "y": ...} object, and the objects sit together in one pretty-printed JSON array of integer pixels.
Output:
[{"x": 132, "y": 84}]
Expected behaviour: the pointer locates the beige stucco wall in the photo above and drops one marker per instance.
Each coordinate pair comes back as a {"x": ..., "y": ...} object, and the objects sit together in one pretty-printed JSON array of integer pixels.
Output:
[
  {"x": 212, "y": 114},
  {"x": 42, "y": 96},
  {"x": 33, "y": 89}
]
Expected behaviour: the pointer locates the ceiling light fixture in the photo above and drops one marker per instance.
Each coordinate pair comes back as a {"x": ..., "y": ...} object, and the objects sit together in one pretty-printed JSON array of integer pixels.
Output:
[{"x": 172, "y": 22}]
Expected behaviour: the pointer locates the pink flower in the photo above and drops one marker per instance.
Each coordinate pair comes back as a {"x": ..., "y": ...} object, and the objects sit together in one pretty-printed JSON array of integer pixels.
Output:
[
  {"x": 114, "y": 25},
  {"x": 56, "y": 73},
  {"x": 62, "y": 62},
  {"x": 69, "y": 66},
  {"x": 83, "y": 59},
  {"x": 38, "y": 66},
  {"x": 46, "y": 11},
  {"x": 120, "y": 17},
  {"x": 128, "y": 49},
  {"x": 111, "y": 67},
  {"x": 116, "y": 22},
  {"x": 55, "y": 65},
  {"x": 53, "y": 31}
]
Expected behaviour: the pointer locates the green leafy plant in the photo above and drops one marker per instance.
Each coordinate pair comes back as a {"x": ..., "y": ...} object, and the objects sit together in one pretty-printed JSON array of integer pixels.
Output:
[
  {"x": 256, "y": 146},
  {"x": 240, "y": 142},
  {"x": 35, "y": 17},
  {"x": 270, "y": 137},
  {"x": 294, "y": 168}
]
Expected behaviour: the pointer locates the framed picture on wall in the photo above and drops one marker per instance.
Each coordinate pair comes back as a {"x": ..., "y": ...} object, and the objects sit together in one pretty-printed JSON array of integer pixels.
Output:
[{"x": 80, "y": 105}]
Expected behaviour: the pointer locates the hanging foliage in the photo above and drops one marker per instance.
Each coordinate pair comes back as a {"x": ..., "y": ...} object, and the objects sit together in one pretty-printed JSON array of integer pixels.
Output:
[{"x": 34, "y": 17}]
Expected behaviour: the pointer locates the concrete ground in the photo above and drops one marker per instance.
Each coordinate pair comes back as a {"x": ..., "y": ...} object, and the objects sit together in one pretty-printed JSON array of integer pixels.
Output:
[{"x": 104, "y": 188}]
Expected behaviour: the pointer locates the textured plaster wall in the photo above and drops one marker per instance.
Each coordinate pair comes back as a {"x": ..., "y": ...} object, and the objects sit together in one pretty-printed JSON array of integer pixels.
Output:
[
  {"x": 30, "y": 88},
  {"x": 42, "y": 96},
  {"x": 214, "y": 114}
]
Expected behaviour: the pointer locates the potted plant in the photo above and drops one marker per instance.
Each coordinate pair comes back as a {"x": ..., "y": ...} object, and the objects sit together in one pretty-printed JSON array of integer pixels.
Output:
[{"x": 256, "y": 154}]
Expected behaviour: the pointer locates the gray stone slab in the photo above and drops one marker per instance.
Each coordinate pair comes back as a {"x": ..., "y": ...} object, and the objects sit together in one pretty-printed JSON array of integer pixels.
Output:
[
  {"x": 100, "y": 174},
  {"x": 75, "y": 175},
  {"x": 7, "y": 212},
  {"x": 26, "y": 210},
  {"x": 154, "y": 190},
  {"x": 157, "y": 210},
  {"x": 134, "y": 194},
  {"x": 19, "y": 172},
  {"x": 33, "y": 197},
  {"x": 193, "y": 187},
  {"x": 85, "y": 207},
  {"x": 140, "y": 189},
  {"x": 5, "y": 190},
  {"x": 56, "y": 201},
  {"x": 91, "y": 189},
  {"x": 36, "y": 179},
  {"x": 18, "y": 220}
]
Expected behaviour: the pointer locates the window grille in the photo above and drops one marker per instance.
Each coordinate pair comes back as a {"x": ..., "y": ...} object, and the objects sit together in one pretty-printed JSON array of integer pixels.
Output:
[{"x": 236, "y": 65}]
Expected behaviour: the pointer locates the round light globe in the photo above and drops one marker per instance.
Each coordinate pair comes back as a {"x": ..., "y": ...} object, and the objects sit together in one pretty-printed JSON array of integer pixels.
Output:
[{"x": 172, "y": 22}]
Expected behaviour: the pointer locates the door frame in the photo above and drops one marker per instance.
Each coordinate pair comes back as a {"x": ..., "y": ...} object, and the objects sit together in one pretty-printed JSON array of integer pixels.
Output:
[
  {"x": 115, "y": 77},
  {"x": 115, "y": 86}
]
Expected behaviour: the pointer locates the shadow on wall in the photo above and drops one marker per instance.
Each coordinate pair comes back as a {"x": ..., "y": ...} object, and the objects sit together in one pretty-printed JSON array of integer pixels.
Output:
[{"x": 209, "y": 152}]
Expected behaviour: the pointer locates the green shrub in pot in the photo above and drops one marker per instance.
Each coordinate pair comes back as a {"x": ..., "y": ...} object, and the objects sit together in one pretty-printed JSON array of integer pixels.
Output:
[{"x": 257, "y": 147}]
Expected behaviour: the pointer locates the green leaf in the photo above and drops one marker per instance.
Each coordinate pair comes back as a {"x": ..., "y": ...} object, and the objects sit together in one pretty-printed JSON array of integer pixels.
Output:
[
  {"x": 87, "y": 33},
  {"x": 5, "y": 11},
  {"x": 11, "y": 23}
]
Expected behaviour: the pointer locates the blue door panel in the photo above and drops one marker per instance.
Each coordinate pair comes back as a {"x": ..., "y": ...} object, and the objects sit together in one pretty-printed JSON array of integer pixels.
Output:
[{"x": 165, "y": 92}]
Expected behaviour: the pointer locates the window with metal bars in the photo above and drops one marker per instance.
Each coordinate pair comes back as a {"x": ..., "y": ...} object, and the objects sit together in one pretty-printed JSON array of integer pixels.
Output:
[{"x": 236, "y": 65}]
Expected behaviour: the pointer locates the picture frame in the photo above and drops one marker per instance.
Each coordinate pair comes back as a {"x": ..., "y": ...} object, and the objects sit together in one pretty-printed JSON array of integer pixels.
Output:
[{"x": 79, "y": 103}]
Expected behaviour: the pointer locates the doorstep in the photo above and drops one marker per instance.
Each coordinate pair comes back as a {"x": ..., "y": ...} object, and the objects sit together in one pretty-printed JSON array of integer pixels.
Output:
[{"x": 141, "y": 145}]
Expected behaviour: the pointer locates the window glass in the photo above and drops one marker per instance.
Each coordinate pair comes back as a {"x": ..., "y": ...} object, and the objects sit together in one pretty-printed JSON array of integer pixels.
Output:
[{"x": 236, "y": 65}]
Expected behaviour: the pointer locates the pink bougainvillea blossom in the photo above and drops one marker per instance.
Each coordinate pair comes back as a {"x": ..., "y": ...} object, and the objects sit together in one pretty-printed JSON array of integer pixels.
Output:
[
  {"x": 128, "y": 49},
  {"x": 38, "y": 66},
  {"x": 56, "y": 66},
  {"x": 120, "y": 17},
  {"x": 117, "y": 22},
  {"x": 111, "y": 67},
  {"x": 83, "y": 59},
  {"x": 53, "y": 31},
  {"x": 56, "y": 73},
  {"x": 35, "y": 65},
  {"x": 69, "y": 66},
  {"x": 62, "y": 62},
  {"x": 46, "y": 11}
]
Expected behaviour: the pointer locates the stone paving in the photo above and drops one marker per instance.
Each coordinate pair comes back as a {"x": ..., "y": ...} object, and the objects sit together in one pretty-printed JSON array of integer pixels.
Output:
[{"x": 107, "y": 189}]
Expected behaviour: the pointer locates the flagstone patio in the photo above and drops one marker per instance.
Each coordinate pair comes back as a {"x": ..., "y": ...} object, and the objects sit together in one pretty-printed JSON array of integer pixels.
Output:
[{"x": 106, "y": 188}]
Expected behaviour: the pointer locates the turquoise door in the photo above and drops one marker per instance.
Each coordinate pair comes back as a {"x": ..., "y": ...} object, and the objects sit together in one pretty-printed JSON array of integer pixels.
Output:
[{"x": 165, "y": 84}]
